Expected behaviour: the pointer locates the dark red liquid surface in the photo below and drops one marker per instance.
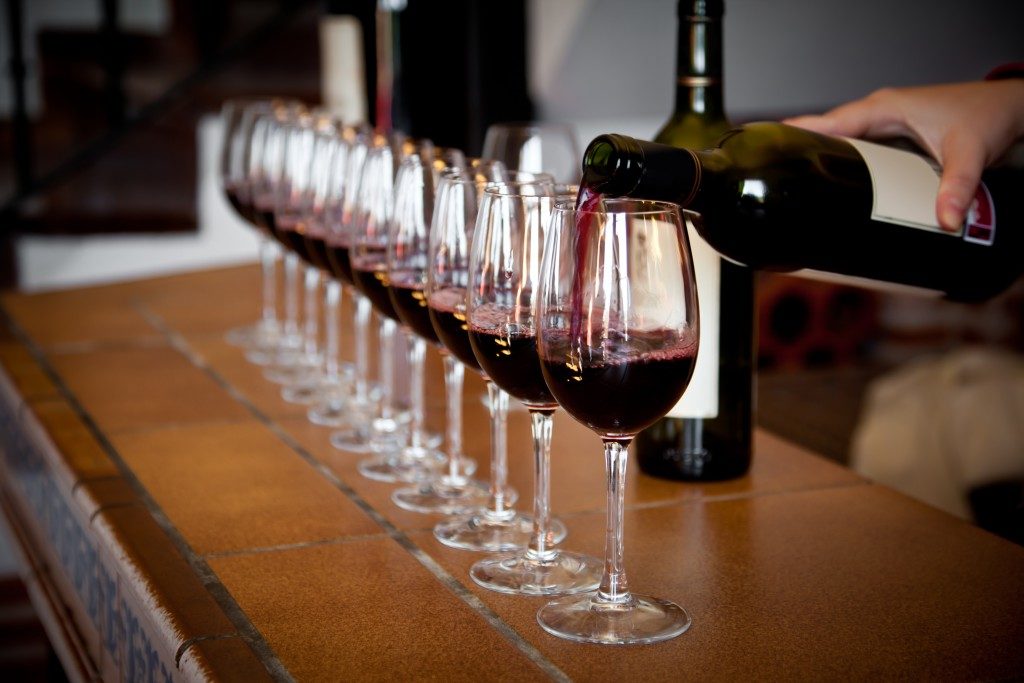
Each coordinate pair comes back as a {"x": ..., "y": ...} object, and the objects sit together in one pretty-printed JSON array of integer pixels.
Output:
[
  {"x": 290, "y": 231},
  {"x": 374, "y": 285},
  {"x": 623, "y": 386},
  {"x": 239, "y": 202},
  {"x": 507, "y": 353},
  {"x": 316, "y": 245},
  {"x": 448, "y": 314},
  {"x": 263, "y": 215},
  {"x": 337, "y": 257},
  {"x": 410, "y": 301}
]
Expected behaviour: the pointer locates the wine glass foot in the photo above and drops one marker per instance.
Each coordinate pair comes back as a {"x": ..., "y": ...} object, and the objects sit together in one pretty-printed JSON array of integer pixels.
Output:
[
  {"x": 355, "y": 439},
  {"x": 273, "y": 349},
  {"x": 293, "y": 371},
  {"x": 409, "y": 465},
  {"x": 252, "y": 336},
  {"x": 635, "y": 621},
  {"x": 488, "y": 532},
  {"x": 333, "y": 413},
  {"x": 556, "y": 572},
  {"x": 443, "y": 496},
  {"x": 303, "y": 394},
  {"x": 317, "y": 389}
]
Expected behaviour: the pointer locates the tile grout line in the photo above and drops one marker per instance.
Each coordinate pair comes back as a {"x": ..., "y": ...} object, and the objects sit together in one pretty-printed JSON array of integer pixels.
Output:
[
  {"x": 206, "y": 575},
  {"x": 179, "y": 343},
  {"x": 338, "y": 540}
]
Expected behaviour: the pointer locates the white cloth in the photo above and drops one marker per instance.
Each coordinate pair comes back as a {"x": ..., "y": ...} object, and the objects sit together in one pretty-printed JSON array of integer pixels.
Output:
[{"x": 939, "y": 427}]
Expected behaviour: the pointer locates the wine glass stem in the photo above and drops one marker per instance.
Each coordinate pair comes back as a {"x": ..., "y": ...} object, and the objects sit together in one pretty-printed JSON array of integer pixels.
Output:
[
  {"x": 268, "y": 261},
  {"x": 362, "y": 324},
  {"x": 541, "y": 424},
  {"x": 386, "y": 370},
  {"x": 309, "y": 306},
  {"x": 613, "y": 587},
  {"x": 332, "y": 306},
  {"x": 291, "y": 295},
  {"x": 499, "y": 503},
  {"x": 417, "y": 354},
  {"x": 454, "y": 372}
]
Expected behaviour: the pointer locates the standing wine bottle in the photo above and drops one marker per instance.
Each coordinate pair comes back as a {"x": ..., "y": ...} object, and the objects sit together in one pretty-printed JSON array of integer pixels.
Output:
[
  {"x": 707, "y": 435},
  {"x": 776, "y": 197}
]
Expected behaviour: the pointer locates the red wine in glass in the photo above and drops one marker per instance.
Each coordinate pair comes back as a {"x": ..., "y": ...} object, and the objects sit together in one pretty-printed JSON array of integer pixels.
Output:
[
  {"x": 239, "y": 201},
  {"x": 615, "y": 391},
  {"x": 290, "y": 232},
  {"x": 507, "y": 352},
  {"x": 338, "y": 258},
  {"x": 316, "y": 245},
  {"x": 370, "y": 275},
  {"x": 409, "y": 297},
  {"x": 447, "y": 311},
  {"x": 263, "y": 214}
]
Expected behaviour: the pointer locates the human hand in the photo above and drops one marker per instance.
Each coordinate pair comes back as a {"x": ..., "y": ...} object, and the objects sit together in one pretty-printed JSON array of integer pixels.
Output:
[{"x": 964, "y": 126}]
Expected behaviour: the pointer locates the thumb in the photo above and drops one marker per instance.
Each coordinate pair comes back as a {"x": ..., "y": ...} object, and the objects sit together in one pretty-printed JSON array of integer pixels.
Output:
[{"x": 962, "y": 163}]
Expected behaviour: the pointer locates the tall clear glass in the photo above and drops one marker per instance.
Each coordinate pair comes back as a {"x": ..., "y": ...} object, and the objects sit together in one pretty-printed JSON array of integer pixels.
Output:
[
  {"x": 618, "y": 335},
  {"x": 420, "y": 198},
  {"x": 262, "y": 160},
  {"x": 535, "y": 147},
  {"x": 293, "y": 205},
  {"x": 237, "y": 117},
  {"x": 504, "y": 273},
  {"x": 368, "y": 257},
  {"x": 340, "y": 397}
]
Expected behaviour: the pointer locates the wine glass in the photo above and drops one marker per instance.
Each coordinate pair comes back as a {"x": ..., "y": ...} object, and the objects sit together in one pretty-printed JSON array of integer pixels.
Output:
[
  {"x": 498, "y": 527},
  {"x": 293, "y": 207},
  {"x": 368, "y": 255},
  {"x": 261, "y": 160},
  {"x": 326, "y": 388},
  {"x": 267, "y": 151},
  {"x": 327, "y": 228},
  {"x": 237, "y": 118},
  {"x": 618, "y": 335},
  {"x": 536, "y": 147},
  {"x": 431, "y": 218},
  {"x": 368, "y": 262},
  {"x": 504, "y": 272},
  {"x": 355, "y": 418}
]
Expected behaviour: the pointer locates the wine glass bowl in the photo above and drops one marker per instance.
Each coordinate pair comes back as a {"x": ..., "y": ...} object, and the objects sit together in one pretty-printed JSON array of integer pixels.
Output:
[
  {"x": 535, "y": 147},
  {"x": 618, "y": 331}
]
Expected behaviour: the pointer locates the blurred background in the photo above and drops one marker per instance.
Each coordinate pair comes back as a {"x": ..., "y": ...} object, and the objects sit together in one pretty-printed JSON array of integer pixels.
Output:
[{"x": 109, "y": 139}]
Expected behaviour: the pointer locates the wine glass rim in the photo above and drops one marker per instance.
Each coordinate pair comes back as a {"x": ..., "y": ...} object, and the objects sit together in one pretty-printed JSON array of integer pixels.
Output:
[
  {"x": 468, "y": 175},
  {"x": 547, "y": 187},
  {"x": 639, "y": 207}
]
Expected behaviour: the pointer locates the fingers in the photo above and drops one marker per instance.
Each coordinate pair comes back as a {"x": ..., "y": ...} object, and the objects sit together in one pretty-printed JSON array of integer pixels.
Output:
[
  {"x": 874, "y": 116},
  {"x": 963, "y": 158}
]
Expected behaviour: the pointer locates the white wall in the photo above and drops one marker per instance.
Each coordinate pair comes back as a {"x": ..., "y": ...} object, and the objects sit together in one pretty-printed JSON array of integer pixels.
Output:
[
  {"x": 612, "y": 62},
  {"x": 46, "y": 262}
]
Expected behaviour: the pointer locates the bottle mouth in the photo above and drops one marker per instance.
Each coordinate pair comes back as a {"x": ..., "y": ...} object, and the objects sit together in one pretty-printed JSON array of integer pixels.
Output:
[{"x": 612, "y": 164}]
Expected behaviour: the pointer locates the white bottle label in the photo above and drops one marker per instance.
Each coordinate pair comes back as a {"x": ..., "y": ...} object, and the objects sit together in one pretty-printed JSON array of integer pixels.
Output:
[
  {"x": 905, "y": 187},
  {"x": 701, "y": 397}
]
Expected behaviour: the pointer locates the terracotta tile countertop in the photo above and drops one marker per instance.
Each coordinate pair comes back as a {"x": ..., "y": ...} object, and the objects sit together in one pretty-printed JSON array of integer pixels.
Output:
[{"x": 178, "y": 520}]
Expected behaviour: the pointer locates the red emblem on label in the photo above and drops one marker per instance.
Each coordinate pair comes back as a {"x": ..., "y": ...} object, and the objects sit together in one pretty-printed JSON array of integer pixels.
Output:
[{"x": 980, "y": 226}]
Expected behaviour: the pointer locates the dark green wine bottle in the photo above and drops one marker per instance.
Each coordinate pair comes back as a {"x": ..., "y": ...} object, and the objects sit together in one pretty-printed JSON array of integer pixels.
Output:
[
  {"x": 775, "y": 197},
  {"x": 708, "y": 435}
]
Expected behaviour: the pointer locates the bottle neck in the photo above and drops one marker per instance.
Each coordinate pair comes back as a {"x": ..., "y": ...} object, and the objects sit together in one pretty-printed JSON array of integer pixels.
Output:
[
  {"x": 621, "y": 166},
  {"x": 699, "y": 66}
]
